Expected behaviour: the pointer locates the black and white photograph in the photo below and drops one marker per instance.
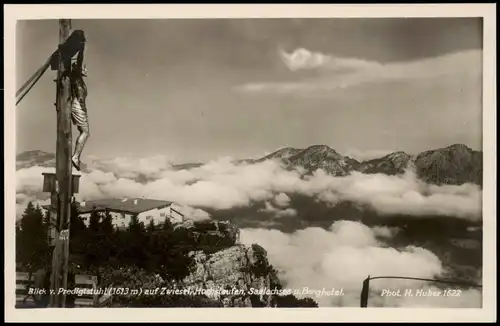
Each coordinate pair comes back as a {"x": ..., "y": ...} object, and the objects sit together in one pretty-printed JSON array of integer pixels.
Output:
[{"x": 249, "y": 162}]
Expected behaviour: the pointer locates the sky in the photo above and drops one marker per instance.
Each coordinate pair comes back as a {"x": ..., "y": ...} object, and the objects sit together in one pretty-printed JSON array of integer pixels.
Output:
[{"x": 199, "y": 89}]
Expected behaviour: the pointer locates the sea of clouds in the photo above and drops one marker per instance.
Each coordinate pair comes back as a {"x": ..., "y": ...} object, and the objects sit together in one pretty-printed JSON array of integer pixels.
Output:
[
  {"x": 341, "y": 257},
  {"x": 346, "y": 254},
  {"x": 224, "y": 184}
]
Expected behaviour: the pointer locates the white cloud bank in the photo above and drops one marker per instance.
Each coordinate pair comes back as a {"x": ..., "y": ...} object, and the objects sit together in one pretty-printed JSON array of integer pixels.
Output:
[
  {"x": 303, "y": 59},
  {"x": 278, "y": 212},
  {"x": 222, "y": 184},
  {"x": 341, "y": 73},
  {"x": 282, "y": 200},
  {"x": 343, "y": 256}
]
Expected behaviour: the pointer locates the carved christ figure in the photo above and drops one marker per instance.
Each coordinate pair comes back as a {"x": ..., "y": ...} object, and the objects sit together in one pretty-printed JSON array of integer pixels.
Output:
[{"x": 79, "y": 114}]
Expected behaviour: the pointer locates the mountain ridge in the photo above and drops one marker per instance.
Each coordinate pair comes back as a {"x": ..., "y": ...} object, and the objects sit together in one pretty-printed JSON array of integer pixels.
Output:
[{"x": 455, "y": 164}]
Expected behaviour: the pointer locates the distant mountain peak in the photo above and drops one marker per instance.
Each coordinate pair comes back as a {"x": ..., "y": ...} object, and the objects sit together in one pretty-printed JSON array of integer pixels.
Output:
[
  {"x": 459, "y": 146},
  {"x": 391, "y": 164},
  {"x": 284, "y": 150},
  {"x": 325, "y": 148},
  {"x": 398, "y": 153},
  {"x": 33, "y": 154},
  {"x": 399, "y": 158},
  {"x": 321, "y": 157},
  {"x": 35, "y": 158},
  {"x": 454, "y": 148},
  {"x": 322, "y": 149},
  {"x": 283, "y": 153},
  {"x": 454, "y": 164}
]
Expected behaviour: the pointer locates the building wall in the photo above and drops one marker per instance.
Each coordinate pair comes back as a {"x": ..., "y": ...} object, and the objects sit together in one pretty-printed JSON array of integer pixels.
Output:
[
  {"x": 159, "y": 215},
  {"x": 119, "y": 220},
  {"x": 177, "y": 218},
  {"x": 122, "y": 220}
]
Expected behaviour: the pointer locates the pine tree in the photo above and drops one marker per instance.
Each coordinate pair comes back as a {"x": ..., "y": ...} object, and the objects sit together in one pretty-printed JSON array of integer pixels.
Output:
[
  {"x": 77, "y": 223},
  {"x": 27, "y": 218},
  {"x": 151, "y": 226},
  {"x": 135, "y": 244},
  {"x": 78, "y": 233},
  {"x": 94, "y": 221},
  {"x": 97, "y": 244},
  {"x": 167, "y": 225},
  {"x": 107, "y": 226},
  {"x": 32, "y": 236},
  {"x": 135, "y": 227}
]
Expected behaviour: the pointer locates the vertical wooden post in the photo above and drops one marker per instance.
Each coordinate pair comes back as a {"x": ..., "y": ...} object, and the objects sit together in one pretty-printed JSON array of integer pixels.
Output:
[
  {"x": 63, "y": 171},
  {"x": 365, "y": 292}
]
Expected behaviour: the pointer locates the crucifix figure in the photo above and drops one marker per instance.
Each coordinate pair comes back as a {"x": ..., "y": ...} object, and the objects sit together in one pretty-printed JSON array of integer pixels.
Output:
[{"x": 79, "y": 114}]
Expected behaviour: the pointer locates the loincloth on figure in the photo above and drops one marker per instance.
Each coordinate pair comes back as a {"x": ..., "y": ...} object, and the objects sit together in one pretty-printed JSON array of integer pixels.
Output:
[{"x": 79, "y": 114}]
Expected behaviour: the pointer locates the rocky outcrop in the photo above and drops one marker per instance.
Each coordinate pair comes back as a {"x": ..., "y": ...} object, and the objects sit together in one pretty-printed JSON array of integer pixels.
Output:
[
  {"x": 231, "y": 273},
  {"x": 391, "y": 164},
  {"x": 283, "y": 155},
  {"x": 455, "y": 165},
  {"x": 210, "y": 234},
  {"x": 321, "y": 157},
  {"x": 225, "y": 270},
  {"x": 185, "y": 270}
]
